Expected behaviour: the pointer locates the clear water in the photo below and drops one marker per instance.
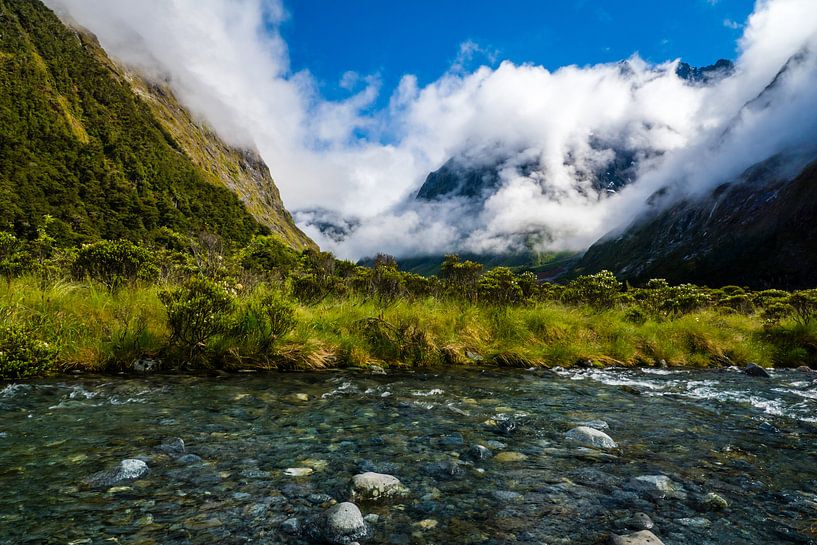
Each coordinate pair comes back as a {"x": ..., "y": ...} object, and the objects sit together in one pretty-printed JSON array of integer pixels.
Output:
[{"x": 751, "y": 441}]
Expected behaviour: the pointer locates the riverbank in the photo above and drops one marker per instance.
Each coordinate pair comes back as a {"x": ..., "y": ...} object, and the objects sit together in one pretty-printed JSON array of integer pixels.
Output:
[{"x": 82, "y": 325}]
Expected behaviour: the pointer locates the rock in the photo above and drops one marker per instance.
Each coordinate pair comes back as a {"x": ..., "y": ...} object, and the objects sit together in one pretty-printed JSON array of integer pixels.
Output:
[
  {"x": 427, "y": 524},
  {"x": 127, "y": 470},
  {"x": 507, "y": 426},
  {"x": 372, "y": 518},
  {"x": 714, "y": 502},
  {"x": 630, "y": 389},
  {"x": 655, "y": 485},
  {"x": 173, "y": 446},
  {"x": 189, "y": 459},
  {"x": 754, "y": 370},
  {"x": 299, "y": 471},
  {"x": 805, "y": 369},
  {"x": 372, "y": 486},
  {"x": 146, "y": 365},
  {"x": 644, "y": 537},
  {"x": 478, "y": 453},
  {"x": 376, "y": 370},
  {"x": 635, "y": 523},
  {"x": 444, "y": 471},
  {"x": 299, "y": 397},
  {"x": 474, "y": 356},
  {"x": 695, "y": 522},
  {"x": 600, "y": 425},
  {"x": 590, "y": 437},
  {"x": 341, "y": 524},
  {"x": 291, "y": 526},
  {"x": 507, "y": 496},
  {"x": 453, "y": 440},
  {"x": 509, "y": 456}
]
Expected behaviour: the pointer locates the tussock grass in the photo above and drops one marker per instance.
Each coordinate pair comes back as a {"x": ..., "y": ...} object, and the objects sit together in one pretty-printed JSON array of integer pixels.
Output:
[{"x": 96, "y": 329}]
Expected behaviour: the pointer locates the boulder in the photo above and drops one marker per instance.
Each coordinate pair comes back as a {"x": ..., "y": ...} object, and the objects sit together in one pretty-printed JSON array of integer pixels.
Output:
[
  {"x": 127, "y": 470},
  {"x": 644, "y": 537},
  {"x": 805, "y": 369},
  {"x": 590, "y": 437},
  {"x": 754, "y": 370},
  {"x": 372, "y": 486},
  {"x": 341, "y": 524}
]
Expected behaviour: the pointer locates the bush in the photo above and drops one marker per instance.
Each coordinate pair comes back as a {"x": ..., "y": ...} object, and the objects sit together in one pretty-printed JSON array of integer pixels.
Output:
[
  {"x": 264, "y": 322},
  {"x": 500, "y": 287},
  {"x": 115, "y": 263},
  {"x": 197, "y": 312},
  {"x": 267, "y": 253},
  {"x": 598, "y": 290},
  {"x": 13, "y": 257},
  {"x": 804, "y": 304},
  {"x": 23, "y": 356}
]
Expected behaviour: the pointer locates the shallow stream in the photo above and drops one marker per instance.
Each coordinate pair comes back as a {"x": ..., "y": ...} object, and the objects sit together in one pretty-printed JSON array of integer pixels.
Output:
[{"x": 714, "y": 434}]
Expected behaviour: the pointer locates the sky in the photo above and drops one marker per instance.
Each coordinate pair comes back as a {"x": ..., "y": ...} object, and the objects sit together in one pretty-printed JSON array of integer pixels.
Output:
[
  {"x": 423, "y": 37},
  {"x": 352, "y": 104}
]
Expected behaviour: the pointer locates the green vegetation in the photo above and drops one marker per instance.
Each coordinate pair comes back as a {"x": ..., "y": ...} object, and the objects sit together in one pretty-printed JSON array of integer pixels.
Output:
[
  {"x": 193, "y": 303},
  {"x": 79, "y": 145}
]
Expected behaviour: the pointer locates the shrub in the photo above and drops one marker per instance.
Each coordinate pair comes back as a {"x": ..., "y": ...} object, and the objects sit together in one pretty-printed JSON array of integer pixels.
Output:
[
  {"x": 636, "y": 315},
  {"x": 13, "y": 258},
  {"x": 267, "y": 253},
  {"x": 23, "y": 356},
  {"x": 196, "y": 312},
  {"x": 804, "y": 304},
  {"x": 264, "y": 322},
  {"x": 115, "y": 263},
  {"x": 598, "y": 290},
  {"x": 499, "y": 287}
]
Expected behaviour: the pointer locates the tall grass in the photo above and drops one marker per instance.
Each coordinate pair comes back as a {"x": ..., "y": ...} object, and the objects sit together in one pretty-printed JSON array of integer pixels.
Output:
[{"x": 97, "y": 329}]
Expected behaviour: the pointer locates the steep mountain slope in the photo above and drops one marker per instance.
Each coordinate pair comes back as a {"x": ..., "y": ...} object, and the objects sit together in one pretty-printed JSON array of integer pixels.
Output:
[
  {"x": 759, "y": 231},
  {"x": 77, "y": 143}
]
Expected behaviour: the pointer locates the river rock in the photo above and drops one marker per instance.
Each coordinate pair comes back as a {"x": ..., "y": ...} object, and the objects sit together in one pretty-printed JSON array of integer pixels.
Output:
[
  {"x": 478, "y": 453},
  {"x": 127, "y": 470},
  {"x": 291, "y": 526},
  {"x": 644, "y": 537},
  {"x": 600, "y": 425},
  {"x": 714, "y": 502},
  {"x": 448, "y": 470},
  {"x": 372, "y": 486},
  {"x": 637, "y": 522},
  {"x": 510, "y": 457},
  {"x": 655, "y": 485},
  {"x": 805, "y": 369},
  {"x": 341, "y": 524},
  {"x": 754, "y": 370},
  {"x": 146, "y": 365},
  {"x": 507, "y": 426},
  {"x": 298, "y": 471},
  {"x": 590, "y": 437},
  {"x": 376, "y": 370},
  {"x": 174, "y": 446}
]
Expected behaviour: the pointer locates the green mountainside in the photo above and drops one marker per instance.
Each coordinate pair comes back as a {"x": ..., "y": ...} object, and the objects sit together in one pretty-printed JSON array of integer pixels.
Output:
[{"x": 109, "y": 155}]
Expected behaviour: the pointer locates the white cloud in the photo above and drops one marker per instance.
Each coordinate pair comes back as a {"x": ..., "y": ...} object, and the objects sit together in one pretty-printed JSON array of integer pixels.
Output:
[{"x": 229, "y": 67}]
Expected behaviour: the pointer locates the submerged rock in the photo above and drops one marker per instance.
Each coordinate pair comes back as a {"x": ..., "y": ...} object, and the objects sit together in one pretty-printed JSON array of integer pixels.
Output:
[
  {"x": 478, "y": 453},
  {"x": 644, "y": 537},
  {"x": 372, "y": 486},
  {"x": 173, "y": 446},
  {"x": 590, "y": 437},
  {"x": 754, "y": 370},
  {"x": 341, "y": 524},
  {"x": 127, "y": 470}
]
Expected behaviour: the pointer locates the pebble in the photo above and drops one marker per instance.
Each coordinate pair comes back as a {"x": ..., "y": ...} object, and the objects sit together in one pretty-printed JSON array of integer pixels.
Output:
[
  {"x": 299, "y": 471},
  {"x": 427, "y": 524},
  {"x": 509, "y": 456}
]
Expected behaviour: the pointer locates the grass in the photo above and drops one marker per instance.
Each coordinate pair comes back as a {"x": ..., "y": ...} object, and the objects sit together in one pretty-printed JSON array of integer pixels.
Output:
[{"x": 96, "y": 330}]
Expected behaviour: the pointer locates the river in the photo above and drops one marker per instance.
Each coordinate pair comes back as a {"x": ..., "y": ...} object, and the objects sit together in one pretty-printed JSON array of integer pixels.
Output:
[{"x": 710, "y": 457}]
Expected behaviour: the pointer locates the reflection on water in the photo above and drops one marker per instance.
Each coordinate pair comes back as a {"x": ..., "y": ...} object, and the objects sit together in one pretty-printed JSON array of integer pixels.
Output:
[{"x": 750, "y": 441}]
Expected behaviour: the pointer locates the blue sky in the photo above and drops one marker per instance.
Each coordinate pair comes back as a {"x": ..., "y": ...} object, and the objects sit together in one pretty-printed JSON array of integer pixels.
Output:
[{"x": 423, "y": 37}]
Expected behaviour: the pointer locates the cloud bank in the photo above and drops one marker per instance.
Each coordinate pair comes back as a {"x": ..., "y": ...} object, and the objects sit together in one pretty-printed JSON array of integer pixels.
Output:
[{"x": 228, "y": 64}]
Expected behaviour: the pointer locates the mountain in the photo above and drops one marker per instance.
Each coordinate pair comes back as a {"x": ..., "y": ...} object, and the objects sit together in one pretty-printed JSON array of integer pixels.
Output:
[
  {"x": 759, "y": 230},
  {"x": 705, "y": 74},
  {"x": 109, "y": 154}
]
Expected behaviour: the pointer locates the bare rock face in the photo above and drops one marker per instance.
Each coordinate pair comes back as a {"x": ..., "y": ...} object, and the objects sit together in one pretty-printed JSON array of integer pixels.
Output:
[
  {"x": 372, "y": 486},
  {"x": 644, "y": 537}
]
